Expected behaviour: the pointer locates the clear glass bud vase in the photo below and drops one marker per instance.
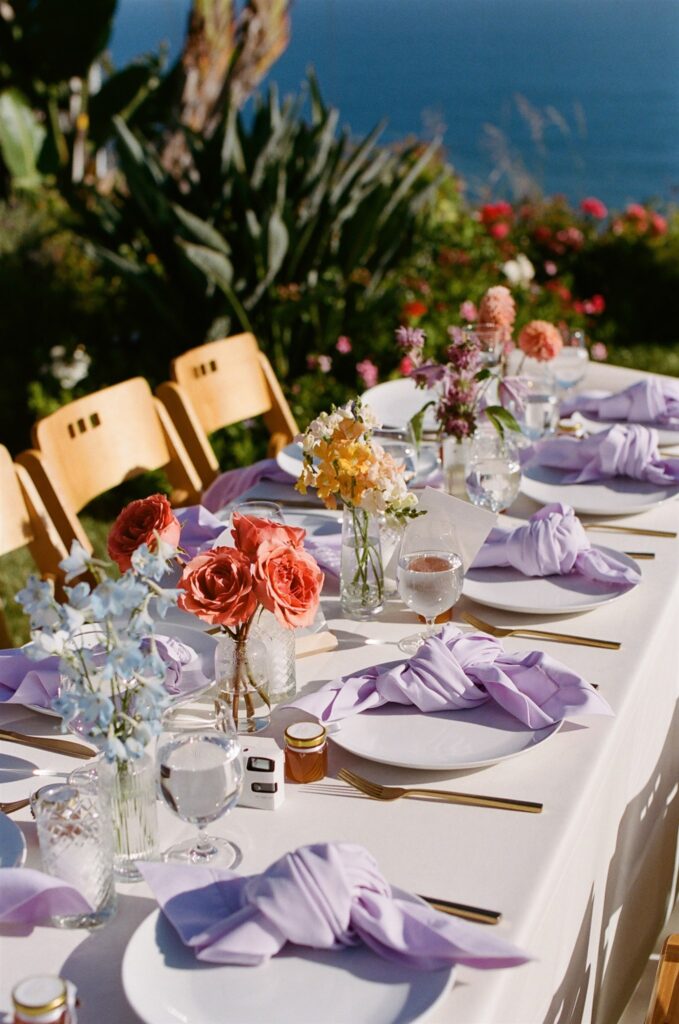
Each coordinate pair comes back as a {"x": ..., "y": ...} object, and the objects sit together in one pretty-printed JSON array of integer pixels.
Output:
[
  {"x": 135, "y": 815},
  {"x": 243, "y": 671},
  {"x": 361, "y": 571}
]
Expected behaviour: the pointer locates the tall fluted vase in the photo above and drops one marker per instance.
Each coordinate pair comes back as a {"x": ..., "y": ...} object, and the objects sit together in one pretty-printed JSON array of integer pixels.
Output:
[{"x": 361, "y": 570}]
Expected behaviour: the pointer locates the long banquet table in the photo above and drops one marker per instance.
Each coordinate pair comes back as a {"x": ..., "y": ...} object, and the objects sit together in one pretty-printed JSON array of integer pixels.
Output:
[{"x": 584, "y": 887}]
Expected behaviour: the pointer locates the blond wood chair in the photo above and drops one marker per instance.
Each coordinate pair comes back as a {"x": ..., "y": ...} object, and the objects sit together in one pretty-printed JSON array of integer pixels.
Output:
[
  {"x": 221, "y": 383},
  {"x": 95, "y": 443},
  {"x": 664, "y": 1006},
  {"x": 25, "y": 522}
]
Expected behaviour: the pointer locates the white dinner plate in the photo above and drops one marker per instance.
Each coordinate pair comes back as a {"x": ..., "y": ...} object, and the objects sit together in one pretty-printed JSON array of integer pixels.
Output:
[
  {"x": 507, "y": 588},
  {"x": 203, "y": 644},
  {"x": 164, "y": 982},
  {"x": 12, "y": 843},
  {"x": 443, "y": 741},
  {"x": 619, "y": 496}
]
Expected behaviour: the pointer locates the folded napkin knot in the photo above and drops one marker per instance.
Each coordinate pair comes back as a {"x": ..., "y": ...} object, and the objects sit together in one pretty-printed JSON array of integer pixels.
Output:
[
  {"x": 553, "y": 542},
  {"x": 621, "y": 450},
  {"x": 652, "y": 400},
  {"x": 455, "y": 671},
  {"x": 326, "y": 896}
]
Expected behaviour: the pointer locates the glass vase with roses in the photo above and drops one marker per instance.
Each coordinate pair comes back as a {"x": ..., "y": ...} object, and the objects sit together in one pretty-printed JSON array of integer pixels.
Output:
[{"x": 266, "y": 570}]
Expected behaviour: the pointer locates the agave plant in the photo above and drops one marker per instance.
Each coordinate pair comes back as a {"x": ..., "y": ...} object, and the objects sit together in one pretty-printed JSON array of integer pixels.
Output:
[{"x": 277, "y": 223}]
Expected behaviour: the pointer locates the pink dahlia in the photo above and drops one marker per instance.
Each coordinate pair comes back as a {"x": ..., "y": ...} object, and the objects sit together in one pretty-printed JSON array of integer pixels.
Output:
[
  {"x": 540, "y": 340},
  {"x": 497, "y": 307}
]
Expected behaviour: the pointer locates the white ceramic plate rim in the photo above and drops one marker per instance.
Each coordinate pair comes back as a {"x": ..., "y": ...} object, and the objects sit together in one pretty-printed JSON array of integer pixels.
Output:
[
  {"x": 474, "y": 590},
  {"x": 544, "y": 493},
  {"x": 13, "y": 838},
  {"x": 186, "y": 634},
  {"x": 136, "y": 962},
  {"x": 432, "y": 766}
]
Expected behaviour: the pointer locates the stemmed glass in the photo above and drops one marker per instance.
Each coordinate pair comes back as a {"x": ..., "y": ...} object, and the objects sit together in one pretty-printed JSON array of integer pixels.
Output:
[
  {"x": 200, "y": 775},
  {"x": 259, "y": 510},
  {"x": 400, "y": 444},
  {"x": 430, "y": 572},
  {"x": 570, "y": 365},
  {"x": 493, "y": 471},
  {"x": 489, "y": 339}
]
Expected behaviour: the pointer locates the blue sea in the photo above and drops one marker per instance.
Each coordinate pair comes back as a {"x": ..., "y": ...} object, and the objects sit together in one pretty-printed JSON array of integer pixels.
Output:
[{"x": 580, "y": 97}]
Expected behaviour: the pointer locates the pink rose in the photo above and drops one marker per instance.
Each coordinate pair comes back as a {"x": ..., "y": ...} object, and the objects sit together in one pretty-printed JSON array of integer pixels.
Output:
[
  {"x": 138, "y": 524},
  {"x": 218, "y": 587},
  {"x": 499, "y": 230},
  {"x": 288, "y": 583},
  {"x": 594, "y": 207},
  {"x": 250, "y": 532},
  {"x": 343, "y": 344},
  {"x": 540, "y": 340}
]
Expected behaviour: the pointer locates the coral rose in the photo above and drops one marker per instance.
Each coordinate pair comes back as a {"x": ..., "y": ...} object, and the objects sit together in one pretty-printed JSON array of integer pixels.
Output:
[
  {"x": 218, "y": 587},
  {"x": 288, "y": 583},
  {"x": 251, "y": 531},
  {"x": 138, "y": 524},
  {"x": 540, "y": 340}
]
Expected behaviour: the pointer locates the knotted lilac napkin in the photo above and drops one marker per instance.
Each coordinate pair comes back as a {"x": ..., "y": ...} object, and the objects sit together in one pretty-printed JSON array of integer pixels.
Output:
[
  {"x": 553, "y": 542},
  {"x": 25, "y": 681},
  {"x": 654, "y": 400},
  {"x": 326, "y": 896},
  {"x": 622, "y": 450},
  {"x": 200, "y": 529},
  {"x": 456, "y": 671},
  {"x": 230, "y": 485},
  {"x": 29, "y": 897}
]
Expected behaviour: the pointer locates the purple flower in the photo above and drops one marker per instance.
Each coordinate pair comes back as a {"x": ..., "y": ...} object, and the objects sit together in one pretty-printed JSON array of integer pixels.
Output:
[
  {"x": 428, "y": 374},
  {"x": 410, "y": 338}
]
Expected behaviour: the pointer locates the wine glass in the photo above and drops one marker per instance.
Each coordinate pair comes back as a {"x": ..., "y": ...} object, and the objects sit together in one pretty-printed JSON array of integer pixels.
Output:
[
  {"x": 430, "y": 571},
  {"x": 400, "y": 444},
  {"x": 489, "y": 339},
  {"x": 493, "y": 471},
  {"x": 258, "y": 510},
  {"x": 570, "y": 365},
  {"x": 200, "y": 776}
]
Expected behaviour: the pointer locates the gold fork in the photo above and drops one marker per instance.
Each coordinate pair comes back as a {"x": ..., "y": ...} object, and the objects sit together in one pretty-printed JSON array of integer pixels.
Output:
[
  {"x": 377, "y": 792},
  {"x": 52, "y": 744},
  {"x": 636, "y": 530},
  {"x": 563, "y": 638}
]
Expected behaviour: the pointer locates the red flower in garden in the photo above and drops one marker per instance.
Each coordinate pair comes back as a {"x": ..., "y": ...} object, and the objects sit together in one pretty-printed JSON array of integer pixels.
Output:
[
  {"x": 590, "y": 307},
  {"x": 414, "y": 309},
  {"x": 542, "y": 233},
  {"x": 492, "y": 212},
  {"x": 406, "y": 366},
  {"x": 559, "y": 289},
  {"x": 594, "y": 208},
  {"x": 658, "y": 224},
  {"x": 499, "y": 230}
]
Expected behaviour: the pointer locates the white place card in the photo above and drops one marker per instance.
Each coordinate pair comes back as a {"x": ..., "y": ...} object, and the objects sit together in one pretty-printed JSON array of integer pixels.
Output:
[{"x": 472, "y": 524}]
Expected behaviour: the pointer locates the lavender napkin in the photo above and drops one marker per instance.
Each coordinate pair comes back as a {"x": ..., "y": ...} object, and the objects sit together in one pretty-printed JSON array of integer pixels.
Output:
[
  {"x": 326, "y": 896},
  {"x": 553, "y": 542},
  {"x": 30, "y": 897},
  {"x": 653, "y": 400},
  {"x": 622, "y": 450},
  {"x": 24, "y": 681},
  {"x": 229, "y": 486},
  {"x": 200, "y": 529},
  {"x": 455, "y": 671}
]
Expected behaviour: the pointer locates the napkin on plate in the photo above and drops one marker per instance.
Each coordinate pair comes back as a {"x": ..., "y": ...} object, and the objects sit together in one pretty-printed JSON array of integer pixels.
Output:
[
  {"x": 455, "y": 671},
  {"x": 653, "y": 400},
  {"x": 622, "y": 450},
  {"x": 200, "y": 529},
  {"x": 230, "y": 485},
  {"x": 553, "y": 542},
  {"x": 326, "y": 896},
  {"x": 25, "y": 681},
  {"x": 31, "y": 897}
]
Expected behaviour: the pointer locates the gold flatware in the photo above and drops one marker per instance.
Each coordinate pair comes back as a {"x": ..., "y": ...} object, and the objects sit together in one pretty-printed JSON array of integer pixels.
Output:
[
  {"x": 636, "y": 530},
  {"x": 464, "y": 910},
  {"x": 377, "y": 792},
  {"x": 539, "y": 634},
  {"x": 640, "y": 554},
  {"x": 16, "y": 805},
  {"x": 56, "y": 746}
]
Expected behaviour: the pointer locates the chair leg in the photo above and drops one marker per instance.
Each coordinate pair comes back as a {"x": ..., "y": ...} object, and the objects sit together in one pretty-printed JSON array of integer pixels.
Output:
[{"x": 664, "y": 1006}]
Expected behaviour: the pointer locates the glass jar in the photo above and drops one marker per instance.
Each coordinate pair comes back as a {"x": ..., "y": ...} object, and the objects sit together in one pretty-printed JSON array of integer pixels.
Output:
[
  {"x": 44, "y": 999},
  {"x": 306, "y": 752}
]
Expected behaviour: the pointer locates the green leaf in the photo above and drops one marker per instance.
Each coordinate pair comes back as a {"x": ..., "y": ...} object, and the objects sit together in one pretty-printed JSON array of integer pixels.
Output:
[
  {"x": 201, "y": 230},
  {"x": 417, "y": 421},
  {"x": 218, "y": 269},
  {"x": 501, "y": 419},
  {"x": 21, "y": 139}
]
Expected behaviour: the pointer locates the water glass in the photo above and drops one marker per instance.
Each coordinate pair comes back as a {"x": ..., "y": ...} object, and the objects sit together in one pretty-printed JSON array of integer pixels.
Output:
[
  {"x": 76, "y": 844},
  {"x": 259, "y": 510},
  {"x": 489, "y": 339},
  {"x": 430, "y": 582},
  {"x": 200, "y": 775},
  {"x": 493, "y": 471},
  {"x": 570, "y": 366},
  {"x": 539, "y": 416},
  {"x": 400, "y": 444}
]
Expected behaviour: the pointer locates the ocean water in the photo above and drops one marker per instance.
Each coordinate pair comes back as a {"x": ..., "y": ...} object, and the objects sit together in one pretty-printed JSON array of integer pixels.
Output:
[{"x": 578, "y": 96}]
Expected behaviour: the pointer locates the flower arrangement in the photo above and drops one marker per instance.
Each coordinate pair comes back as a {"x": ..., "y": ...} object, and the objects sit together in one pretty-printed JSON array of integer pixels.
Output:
[
  {"x": 267, "y": 568},
  {"x": 346, "y": 466},
  {"x": 114, "y": 692}
]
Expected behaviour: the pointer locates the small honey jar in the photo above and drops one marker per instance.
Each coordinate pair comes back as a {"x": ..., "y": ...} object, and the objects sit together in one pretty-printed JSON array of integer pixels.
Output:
[
  {"x": 44, "y": 999},
  {"x": 306, "y": 752}
]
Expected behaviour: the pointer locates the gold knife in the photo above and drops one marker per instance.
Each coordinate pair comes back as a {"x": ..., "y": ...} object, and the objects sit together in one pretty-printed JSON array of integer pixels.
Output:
[
  {"x": 464, "y": 910},
  {"x": 636, "y": 530},
  {"x": 56, "y": 746}
]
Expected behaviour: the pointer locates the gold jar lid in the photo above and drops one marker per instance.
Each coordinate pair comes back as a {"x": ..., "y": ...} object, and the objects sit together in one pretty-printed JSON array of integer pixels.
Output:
[
  {"x": 303, "y": 735},
  {"x": 39, "y": 994}
]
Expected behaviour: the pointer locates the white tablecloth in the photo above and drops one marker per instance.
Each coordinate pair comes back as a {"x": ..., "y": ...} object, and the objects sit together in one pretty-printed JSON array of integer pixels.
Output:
[{"x": 584, "y": 886}]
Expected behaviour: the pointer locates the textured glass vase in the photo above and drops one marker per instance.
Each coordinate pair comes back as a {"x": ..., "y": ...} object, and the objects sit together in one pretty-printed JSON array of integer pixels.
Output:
[
  {"x": 243, "y": 671},
  {"x": 361, "y": 571},
  {"x": 135, "y": 815},
  {"x": 280, "y": 646}
]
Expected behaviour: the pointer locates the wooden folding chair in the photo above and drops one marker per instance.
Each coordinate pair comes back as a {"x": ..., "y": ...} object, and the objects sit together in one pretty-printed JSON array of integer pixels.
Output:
[
  {"x": 221, "y": 383},
  {"x": 664, "y": 1005},
  {"x": 25, "y": 522},
  {"x": 95, "y": 443}
]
